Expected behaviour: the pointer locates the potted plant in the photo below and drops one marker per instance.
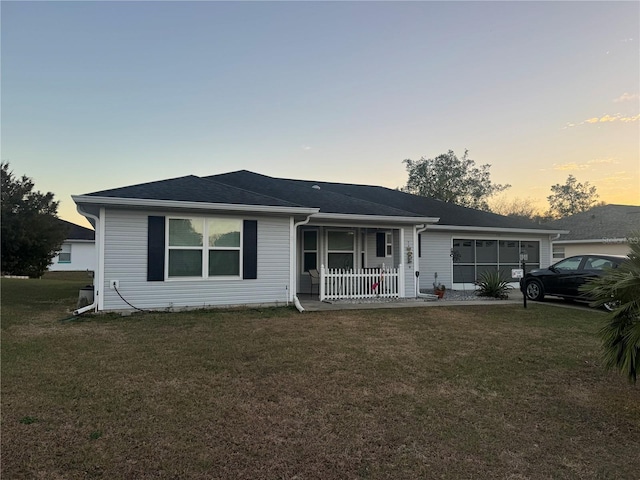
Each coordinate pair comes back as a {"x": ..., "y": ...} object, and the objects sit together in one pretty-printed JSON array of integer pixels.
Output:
[{"x": 438, "y": 288}]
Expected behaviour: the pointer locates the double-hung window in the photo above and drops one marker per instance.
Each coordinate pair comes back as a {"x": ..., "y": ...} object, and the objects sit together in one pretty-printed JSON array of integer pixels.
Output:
[
  {"x": 185, "y": 247},
  {"x": 190, "y": 255},
  {"x": 64, "y": 256},
  {"x": 224, "y": 246},
  {"x": 310, "y": 250},
  {"x": 340, "y": 249},
  {"x": 558, "y": 252},
  {"x": 389, "y": 244}
]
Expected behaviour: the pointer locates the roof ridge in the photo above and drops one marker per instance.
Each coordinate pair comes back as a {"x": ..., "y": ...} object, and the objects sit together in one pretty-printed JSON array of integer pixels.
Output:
[
  {"x": 412, "y": 197},
  {"x": 405, "y": 213},
  {"x": 143, "y": 184},
  {"x": 324, "y": 182},
  {"x": 253, "y": 192}
]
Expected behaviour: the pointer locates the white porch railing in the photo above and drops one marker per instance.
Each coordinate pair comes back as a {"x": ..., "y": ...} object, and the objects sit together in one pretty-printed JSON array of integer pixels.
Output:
[{"x": 336, "y": 283}]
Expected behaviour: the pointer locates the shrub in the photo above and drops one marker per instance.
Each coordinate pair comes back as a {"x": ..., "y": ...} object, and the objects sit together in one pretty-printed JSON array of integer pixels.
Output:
[
  {"x": 491, "y": 284},
  {"x": 621, "y": 332}
]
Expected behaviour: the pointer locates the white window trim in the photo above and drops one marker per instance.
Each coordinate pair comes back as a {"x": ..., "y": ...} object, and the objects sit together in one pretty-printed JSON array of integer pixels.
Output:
[
  {"x": 204, "y": 248},
  {"x": 388, "y": 244}
]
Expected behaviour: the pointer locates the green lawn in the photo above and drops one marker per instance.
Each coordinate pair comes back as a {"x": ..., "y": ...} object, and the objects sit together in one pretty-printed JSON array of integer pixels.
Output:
[{"x": 482, "y": 392}]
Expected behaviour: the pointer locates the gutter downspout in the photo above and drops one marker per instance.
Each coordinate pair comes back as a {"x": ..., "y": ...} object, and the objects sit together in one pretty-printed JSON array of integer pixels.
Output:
[
  {"x": 298, "y": 304},
  {"x": 293, "y": 235},
  {"x": 418, "y": 230},
  {"x": 551, "y": 240},
  {"x": 96, "y": 292}
]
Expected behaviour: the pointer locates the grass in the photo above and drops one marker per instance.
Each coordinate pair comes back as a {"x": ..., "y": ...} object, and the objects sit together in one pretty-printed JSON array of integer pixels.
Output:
[{"x": 467, "y": 392}]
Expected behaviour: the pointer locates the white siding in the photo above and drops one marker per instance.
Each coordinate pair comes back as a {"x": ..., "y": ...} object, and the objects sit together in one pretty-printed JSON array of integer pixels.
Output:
[
  {"x": 436, "y": 250},
  {"x": 126, "y": 261},
  {"x": 371, "y": 260},
  {"x": 545, "y": 251},
  {"x": 83, "y": 257},
  {"x": 399, "y": 257},
  {"x": 595, "y": 247}
]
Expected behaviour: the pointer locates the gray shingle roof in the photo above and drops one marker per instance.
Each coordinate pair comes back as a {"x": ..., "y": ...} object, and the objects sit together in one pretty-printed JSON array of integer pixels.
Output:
[
  {"x": 193, "y": 189},
  {"x": 303, "y": 193},
  {"x": 381, "y": 198},
  {"x": 77, "y": 232},
  {"x": 248, "y": 188},
  {"x": 605, "y": 221},
  {"x": 449, "y": 213}
]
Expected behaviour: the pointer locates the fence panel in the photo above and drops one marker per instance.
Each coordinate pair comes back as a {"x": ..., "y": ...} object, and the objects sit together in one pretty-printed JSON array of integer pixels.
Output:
[{"x": 338, "y": 284}]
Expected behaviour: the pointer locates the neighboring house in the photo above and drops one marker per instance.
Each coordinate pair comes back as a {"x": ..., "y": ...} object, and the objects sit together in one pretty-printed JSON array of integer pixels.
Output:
[
  {"x": 78, "y": 251},
  {"x": 602, "y": 229},
  {"x": 243, "y": 238}
]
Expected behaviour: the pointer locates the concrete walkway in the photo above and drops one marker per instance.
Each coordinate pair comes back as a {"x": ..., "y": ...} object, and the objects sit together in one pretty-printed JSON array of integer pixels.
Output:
[{"x": 313, "y": 304}]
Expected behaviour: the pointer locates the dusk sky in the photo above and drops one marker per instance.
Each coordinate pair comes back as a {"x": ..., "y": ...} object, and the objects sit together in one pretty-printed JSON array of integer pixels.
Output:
[{"x": 98, "y": 95}]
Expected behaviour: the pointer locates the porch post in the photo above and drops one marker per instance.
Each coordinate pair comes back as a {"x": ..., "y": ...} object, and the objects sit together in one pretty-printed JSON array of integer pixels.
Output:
[
  {"x": 322, "y": 283},
  {"x": 416, "y": 262},
  {"x": 417, "y": 249},
  {"x": 400, "y": 269},
  {"x": 100, "y": 239},
  {"x": 292, "y": 259}
]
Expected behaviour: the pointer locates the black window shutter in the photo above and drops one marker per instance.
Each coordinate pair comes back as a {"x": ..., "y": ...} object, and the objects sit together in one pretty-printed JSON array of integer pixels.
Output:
[
  {"x": 250, "y": 250},
  {"x": 381, "y": 244},
  {"x": 155, "y": 249},
  {"x": 419, "y": 245}
]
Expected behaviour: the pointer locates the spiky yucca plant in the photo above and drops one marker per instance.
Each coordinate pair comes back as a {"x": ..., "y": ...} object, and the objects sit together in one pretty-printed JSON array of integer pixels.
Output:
[
  {"x": 620, "y": 287},
  {"x": 491, "y": 284}
]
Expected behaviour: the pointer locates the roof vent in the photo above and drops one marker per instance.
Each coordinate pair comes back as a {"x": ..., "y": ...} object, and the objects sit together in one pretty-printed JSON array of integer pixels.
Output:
[{"x": 316, "y": 187}]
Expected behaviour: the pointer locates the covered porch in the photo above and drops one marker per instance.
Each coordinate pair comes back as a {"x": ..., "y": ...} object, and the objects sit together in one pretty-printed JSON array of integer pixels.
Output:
[{"x": 337, "y": 262}]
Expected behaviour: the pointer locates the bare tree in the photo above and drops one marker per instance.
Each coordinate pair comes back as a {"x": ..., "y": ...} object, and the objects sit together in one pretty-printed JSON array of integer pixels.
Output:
[{"x": 516, "y": 207}]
